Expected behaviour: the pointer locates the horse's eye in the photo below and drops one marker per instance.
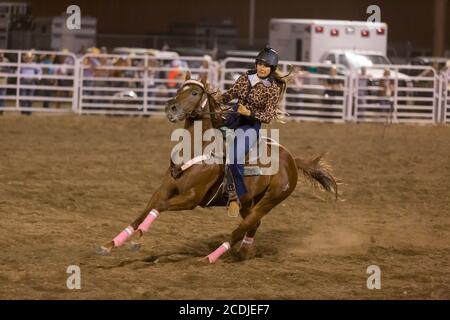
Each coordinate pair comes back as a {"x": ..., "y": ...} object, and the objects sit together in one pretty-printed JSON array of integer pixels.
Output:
[{"x": 194, "y": 93}]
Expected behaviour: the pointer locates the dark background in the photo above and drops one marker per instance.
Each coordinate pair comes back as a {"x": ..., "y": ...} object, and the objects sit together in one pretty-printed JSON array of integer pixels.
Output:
[{"x": 409, "y": 21}]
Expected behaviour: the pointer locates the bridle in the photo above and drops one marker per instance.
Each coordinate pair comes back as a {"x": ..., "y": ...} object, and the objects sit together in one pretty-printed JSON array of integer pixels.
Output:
[{"x": 202, "y": 102}]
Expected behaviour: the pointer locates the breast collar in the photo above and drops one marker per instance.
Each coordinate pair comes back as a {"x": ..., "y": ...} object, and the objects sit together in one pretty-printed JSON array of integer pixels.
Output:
[{"x": 254, "y": 79}]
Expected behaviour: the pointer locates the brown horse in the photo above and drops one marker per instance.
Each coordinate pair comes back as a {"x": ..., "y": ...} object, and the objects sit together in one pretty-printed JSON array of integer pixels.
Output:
[{"x": 196, "y": 185}]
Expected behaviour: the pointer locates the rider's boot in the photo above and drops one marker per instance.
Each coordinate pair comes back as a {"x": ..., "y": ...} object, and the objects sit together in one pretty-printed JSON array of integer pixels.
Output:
[{"x": 233, "y": 205}]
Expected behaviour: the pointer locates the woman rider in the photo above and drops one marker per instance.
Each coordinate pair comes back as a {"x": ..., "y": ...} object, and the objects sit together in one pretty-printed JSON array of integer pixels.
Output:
[{"x": 258, "y": 92}]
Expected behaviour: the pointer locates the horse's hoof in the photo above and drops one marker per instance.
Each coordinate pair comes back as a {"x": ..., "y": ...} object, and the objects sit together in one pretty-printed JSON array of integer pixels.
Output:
[
  {"x": 241, "y": 256},
  {"x": 102, "y": 250},
  {"x": 135, "y": 246},
  {"x": 204, "y": 260},
  {"x": 244, "y": 252}
]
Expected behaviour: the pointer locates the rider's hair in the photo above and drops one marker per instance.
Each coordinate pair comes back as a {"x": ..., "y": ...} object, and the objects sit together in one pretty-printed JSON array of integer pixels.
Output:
[{"x": 282, "y": 81}]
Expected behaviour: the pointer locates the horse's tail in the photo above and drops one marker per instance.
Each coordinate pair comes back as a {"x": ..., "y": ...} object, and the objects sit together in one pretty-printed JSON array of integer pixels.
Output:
[{"x": 318, "y": 172}]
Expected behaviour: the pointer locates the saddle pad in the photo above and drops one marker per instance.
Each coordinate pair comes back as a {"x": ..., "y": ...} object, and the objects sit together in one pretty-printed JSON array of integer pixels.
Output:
[{"x": 252, "y": 171}]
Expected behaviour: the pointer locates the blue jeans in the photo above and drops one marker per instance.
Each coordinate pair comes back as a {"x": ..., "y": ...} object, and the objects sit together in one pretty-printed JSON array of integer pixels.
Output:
[
  {"x": 246, "y": 136},
  {"x": 2, "y": 100},
  {"x": 26, "y": 103}
]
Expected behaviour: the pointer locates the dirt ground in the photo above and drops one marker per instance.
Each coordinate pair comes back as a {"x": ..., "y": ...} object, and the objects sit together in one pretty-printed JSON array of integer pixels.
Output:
[{"x": 69, "y": 183}]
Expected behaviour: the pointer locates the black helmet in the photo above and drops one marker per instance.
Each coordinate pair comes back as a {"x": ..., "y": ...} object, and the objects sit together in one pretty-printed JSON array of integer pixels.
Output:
[{"x": 268, "y": 56}]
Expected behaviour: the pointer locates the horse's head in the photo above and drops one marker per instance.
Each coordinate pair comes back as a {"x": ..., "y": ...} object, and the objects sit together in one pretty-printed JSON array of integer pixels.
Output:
[{"x": 190, "y": 100}]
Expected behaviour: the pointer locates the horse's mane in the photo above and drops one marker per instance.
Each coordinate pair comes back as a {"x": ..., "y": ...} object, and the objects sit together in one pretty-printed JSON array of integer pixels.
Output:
[{"x": 214, "y": 105}]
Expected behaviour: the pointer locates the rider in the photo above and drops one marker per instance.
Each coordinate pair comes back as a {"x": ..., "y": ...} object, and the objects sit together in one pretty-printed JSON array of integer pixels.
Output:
[{"x": 258, "y": 92}]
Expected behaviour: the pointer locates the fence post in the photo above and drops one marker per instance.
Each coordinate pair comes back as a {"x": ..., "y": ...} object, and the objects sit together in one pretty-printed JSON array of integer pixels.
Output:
[
  {"x": 19, "y": 67},
  {"x": 76, "y": 84},
  {"x": 145, "y": 83},
  {"x": 437, "y": 108},
  {"x": 394, "y": 111},
  {"x": 355, "y": 94},
  {"x": 348, "y": 87},
  {"x": 81, "y": 80}
]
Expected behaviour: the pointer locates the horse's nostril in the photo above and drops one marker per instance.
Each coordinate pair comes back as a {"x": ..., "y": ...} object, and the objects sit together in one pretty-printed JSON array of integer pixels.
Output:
[{"x": 174, "y": 108}]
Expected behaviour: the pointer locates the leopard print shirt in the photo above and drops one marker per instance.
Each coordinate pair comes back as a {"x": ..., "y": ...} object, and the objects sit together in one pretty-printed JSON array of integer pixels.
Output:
[{"x": 262, "y": 100}]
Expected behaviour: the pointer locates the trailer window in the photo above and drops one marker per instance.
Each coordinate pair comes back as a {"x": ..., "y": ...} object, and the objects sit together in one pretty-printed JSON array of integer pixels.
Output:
[
  {"x": 331, "y": 58},
  {"x": 343, "y": 60},
  {"x": 378, "y": 59},
  {"x": 357, "y": 60}
]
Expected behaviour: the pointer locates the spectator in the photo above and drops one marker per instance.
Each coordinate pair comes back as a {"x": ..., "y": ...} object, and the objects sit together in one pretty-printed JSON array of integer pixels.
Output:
[
  {"x": 29, "y": 74},
  {"x": 66, "y": 64},
  {"x": 90, "y": 64},
  {"x": 177, "y": 73},
  {"x": 387, "y": 85},
  {"x": 101, "y": 71},
  {"x": 387, "y": 93},
  {"x": 363, "y": 83},
  {"x": 446, "y": 71},
  {"x": 48, "y": 59},
  {"x": 300, "y": 75},
  {"x": 334, "y": 86},
  {"x": 206, "y": 69},
  {"x": 123, "y": 72},
  {"x": 151, "y": 80}
]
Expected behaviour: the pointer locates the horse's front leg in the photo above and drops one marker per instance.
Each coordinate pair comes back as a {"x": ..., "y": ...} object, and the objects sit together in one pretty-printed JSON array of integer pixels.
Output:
[
  {"x": 162, "y": 200},
  {"x": 186, "y": 201}
]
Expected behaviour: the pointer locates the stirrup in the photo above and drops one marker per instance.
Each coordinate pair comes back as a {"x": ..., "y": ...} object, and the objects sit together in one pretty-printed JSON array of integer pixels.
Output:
[{"x": 233, "y": 208}]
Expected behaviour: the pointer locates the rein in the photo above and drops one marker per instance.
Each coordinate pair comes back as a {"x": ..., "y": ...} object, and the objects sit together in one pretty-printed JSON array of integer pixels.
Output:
[{"x": 202, "y": 86}]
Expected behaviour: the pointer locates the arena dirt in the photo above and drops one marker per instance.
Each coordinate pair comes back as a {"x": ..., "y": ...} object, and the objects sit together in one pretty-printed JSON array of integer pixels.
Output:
[{"x": 70, "y": 183}]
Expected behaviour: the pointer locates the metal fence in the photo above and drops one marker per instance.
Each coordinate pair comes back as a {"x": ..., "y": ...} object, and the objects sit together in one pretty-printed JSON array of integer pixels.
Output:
[
  {"x": 318, "y": 92},
  {"x": 397, "y": 94},
  {"x": 141, "y": 84},
  {"x": 48, "y": 86},
  {"x": 118, "y": 84}
]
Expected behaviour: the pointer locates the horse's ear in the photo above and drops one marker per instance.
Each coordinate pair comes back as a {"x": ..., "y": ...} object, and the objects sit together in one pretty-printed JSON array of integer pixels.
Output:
[
  {"x": 188, "y": 76},
  {"x": 204, "y": 78}
]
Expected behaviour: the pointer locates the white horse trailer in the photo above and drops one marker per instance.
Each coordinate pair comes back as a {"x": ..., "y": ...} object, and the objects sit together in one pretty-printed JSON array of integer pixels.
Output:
[{"x": 307, "y": 40}]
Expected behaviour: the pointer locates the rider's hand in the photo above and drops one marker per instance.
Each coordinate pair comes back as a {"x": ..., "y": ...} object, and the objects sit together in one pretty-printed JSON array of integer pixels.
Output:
[{"x": 243, "y": 110}]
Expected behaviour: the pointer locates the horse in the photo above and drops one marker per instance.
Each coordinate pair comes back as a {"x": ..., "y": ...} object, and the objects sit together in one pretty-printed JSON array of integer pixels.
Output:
[{"x": 198, "y": 182}]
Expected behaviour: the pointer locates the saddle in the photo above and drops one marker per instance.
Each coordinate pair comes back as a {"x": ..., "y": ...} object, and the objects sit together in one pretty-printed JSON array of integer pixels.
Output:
[
  {"x": 218, "y": 195},
  {"x": 251, "y": 165}
]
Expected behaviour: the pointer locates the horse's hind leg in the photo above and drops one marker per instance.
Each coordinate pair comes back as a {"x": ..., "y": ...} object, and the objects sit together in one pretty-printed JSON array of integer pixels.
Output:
[
  {"x": 247, "y": 242},
  {"x": 249, "y": 224},
  {"x": 281, "y": 186}
]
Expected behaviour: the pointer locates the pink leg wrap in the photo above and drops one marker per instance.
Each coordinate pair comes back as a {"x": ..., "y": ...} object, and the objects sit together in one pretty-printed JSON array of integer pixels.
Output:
[
  {"x": 212, "y": 257},
  {"x": 123, "y": 236},
  {"x": 247, "y": 241},
  {"x": 145, "y": 225}
]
